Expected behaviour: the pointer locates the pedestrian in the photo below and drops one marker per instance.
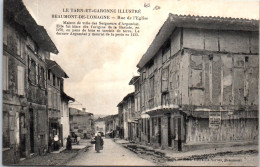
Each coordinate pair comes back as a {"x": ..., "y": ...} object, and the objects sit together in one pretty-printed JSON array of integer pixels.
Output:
[
  {"x": 56, "y": 142},
  {"x": 75, "y": 139},
  {"x": 68, "y": 145},
  {"x": 98, "y": 143},
  {"x": 50, "y": 143}
]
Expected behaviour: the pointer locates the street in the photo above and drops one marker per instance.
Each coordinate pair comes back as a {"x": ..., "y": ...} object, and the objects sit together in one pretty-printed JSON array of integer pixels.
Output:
[{"x": 112, "y": 154}]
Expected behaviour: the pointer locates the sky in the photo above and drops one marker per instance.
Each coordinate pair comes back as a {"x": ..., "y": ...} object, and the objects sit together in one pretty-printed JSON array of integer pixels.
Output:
[{"x": 100, "y": 68}]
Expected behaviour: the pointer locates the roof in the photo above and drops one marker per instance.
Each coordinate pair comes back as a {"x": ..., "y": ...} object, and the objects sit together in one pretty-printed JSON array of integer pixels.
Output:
[
  {"x": 99, "y": 119},
  {"x": 20, "y": 14},
  {"x": 64, "y": 95},
  {"x": 110, "y": 117},
  {"x": 128, "y": 96},
  {"x": 74, "y": 111},
  {"x": 188, "y": 21},
  {"x": 133, "y": 80},
  {"x": 125, "y": 98},
  {"x": 56, "y": 69},
  {"x": 121, "y": 103}
]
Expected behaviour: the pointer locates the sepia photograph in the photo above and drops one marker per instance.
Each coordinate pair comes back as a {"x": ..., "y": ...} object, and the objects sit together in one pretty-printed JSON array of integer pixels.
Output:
[{"x": 130, "y": 83}]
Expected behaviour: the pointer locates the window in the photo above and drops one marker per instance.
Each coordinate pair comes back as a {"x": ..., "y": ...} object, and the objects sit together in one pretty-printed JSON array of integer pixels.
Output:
[
  {"x": 6, "y": 130},
  {"x": 49, "y": 97},
  {"x": 166, "y": 51},
  {"x": 165, "y": 98},
  {"x": 143, "y": 95},
  {"x": 54, "y": 101},
  {"x": 18, "y": 45},
  {"x": 49, "y": 74},
  {"x": 5, "y": 73},
  {"x": 165, "y": 77},
  {"x": 145, "y": 126},
  {"x": 142, "y": 124},
  {"x": 38, "y": 74},
  {"x": 5, "y": 33},
  {"x": 137, "y": 86},
  {"x": 13, "y": 41},
  {"x": 53, "y": 76},
  {"x": 152, "y": 87},
  {"x": 32, "y": 72},
  {"x": 20, "y": 80},
  {"x": 42, "y": 78},
  {"x": 143, "y": 76},
  {"x": 153, "y": 129},
  {"x": 151, "y": 98}
]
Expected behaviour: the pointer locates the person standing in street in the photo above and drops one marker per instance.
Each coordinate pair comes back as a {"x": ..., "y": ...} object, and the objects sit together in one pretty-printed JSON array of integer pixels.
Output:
[
  {"x": 56, "y": 142},
  {"x": 75, "y": 138},
  {"x": 69, "y": 141},
  {"x": 98, "y": 143}
]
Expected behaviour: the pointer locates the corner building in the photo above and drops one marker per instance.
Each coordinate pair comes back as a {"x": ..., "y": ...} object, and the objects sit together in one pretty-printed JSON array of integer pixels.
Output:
[{"x": 199, "y": 81}]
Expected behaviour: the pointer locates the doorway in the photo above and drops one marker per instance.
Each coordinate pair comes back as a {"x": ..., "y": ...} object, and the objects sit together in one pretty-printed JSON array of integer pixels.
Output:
[
  {"x": 169, "y": 132},
  {"x": 148, "y": 137},
  {"x": 31, "y": 130},
  {"x": 179, "y": 134},
  {"x": 22, "y": 136},
  {"x": 159, "y": 132}
]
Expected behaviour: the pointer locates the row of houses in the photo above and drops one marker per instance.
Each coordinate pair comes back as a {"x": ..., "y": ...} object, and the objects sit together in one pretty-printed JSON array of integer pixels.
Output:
[
  {"x": 108, "y": 125},
  {"x": 197, "y": 86},
  {"x": 81, "y": 123},
  {"x": 35, "y": 106}
]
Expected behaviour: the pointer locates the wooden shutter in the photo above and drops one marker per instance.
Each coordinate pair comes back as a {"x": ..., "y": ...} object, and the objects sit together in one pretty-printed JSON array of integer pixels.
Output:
[
  {"x": 5, "y": 72},
  {"x": 18, "y": 44},
  {"x": 6, "y": 130},
  {"x": 5, "y": 33},
  {"x": 165, "y": 75},
  {"x": 12, "y": 127},
  {"x": 49, "y": 98},
  {"x": 20, "y": 80}
]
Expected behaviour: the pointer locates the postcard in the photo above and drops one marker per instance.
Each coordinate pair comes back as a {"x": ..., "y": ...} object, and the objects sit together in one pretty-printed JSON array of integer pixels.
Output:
[{"x": 130, "y": 83}]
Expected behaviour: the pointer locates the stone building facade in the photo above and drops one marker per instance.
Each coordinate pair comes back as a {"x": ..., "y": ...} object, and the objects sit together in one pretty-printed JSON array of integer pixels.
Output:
[
  {"x": 112, "y": 125},
  {"x": 100, "y": 125},
  {"x": 26, "y": 46},
  {"x": 65, "y": 100},
  {"x": 81, "y": 122},
  {"x": 126, "y": 116},
  {"x": 58, "y": 114}
]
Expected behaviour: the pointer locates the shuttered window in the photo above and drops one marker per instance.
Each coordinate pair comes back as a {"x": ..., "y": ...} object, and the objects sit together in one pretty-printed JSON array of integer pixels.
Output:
[
  {"x": 54, "y": 99},
  {"x": 32, "y": 71},
  {"x": 6, "y": 130},
  {"x": 49, "y": 98},
  {"x": 165, "y": 78},
  {"x": 5, "y": 33},
  {"x": 20, "y": 79},
  {"x": 5, "y": 73}
]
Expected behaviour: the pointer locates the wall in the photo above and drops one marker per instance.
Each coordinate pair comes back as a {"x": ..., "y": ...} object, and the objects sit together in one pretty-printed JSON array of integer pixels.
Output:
[
  {"x": 100, "y": 125},
  {"x": 65, "y": 120},
  {"x": 221, "y": 40},
  {"x": 81, "y": 124},
  {"x": 54, "y": 97},
  {"x": 204, "y": 70},
  {"x": 242, "y": 129},
  {"x": 17, "y": 92},
  {"x": 219, "y": 79}
]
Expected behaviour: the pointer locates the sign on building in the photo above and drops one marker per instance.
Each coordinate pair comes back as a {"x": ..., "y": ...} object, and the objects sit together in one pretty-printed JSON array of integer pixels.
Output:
[{"x": 214, "y": 119}]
